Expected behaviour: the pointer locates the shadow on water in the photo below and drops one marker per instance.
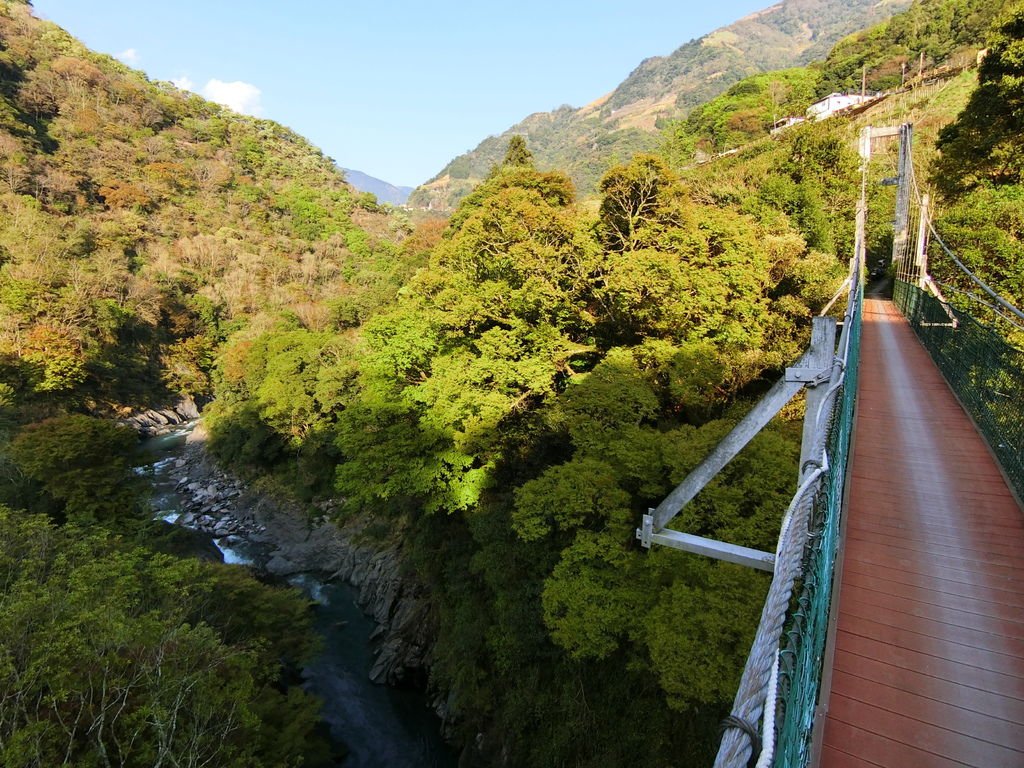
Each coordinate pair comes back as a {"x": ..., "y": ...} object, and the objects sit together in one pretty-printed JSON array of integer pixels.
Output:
[{"x": 378, "y": 726}]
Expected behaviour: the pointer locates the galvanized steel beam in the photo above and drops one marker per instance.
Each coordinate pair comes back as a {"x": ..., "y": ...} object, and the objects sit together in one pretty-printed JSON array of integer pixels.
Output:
[
  {"x": 812, "y": 369},
  {"x": 720, "y": 550}
]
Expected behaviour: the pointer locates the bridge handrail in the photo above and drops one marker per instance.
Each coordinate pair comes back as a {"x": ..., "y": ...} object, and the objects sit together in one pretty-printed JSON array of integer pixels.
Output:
[
  {"x": 782, "y": 676},
  {"x": 984, "y": 370},
  {"x": 803, "y": 647}
]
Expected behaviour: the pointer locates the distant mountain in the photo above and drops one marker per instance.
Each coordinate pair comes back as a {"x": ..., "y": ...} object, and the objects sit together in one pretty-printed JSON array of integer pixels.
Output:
[
  {"x": 385, "y": 192},
  {"x": 585, "y": 141}
]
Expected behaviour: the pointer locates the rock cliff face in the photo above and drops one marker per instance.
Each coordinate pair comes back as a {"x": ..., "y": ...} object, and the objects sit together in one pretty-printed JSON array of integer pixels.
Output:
[
  {"x": 220, "y": 505},
  {"x": 400, "y": 608}
]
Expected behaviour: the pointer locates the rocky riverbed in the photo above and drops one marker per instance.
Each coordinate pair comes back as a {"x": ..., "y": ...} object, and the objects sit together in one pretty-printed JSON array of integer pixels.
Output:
[{"x": 285, "y": 541}]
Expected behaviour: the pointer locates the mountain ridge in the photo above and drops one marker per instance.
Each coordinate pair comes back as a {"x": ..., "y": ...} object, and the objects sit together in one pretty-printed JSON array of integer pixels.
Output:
[
  {"x": 384, "y": 191},
  {"x": 584, "y": 141}
]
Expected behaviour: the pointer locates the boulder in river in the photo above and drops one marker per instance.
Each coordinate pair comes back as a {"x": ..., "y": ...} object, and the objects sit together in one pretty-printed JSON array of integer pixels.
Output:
[{"x": 281, "y": 566}]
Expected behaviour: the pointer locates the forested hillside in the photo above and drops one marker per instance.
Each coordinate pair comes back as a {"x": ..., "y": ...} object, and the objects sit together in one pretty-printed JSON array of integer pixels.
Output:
[
  {"x": 140, "y": 224},
  {"x": 139, "y": 227},
  {"x": 502, "y": 396},
  {"x": 971, "y": 159},
  {"x": 928, "y": 34},
  {"x": 980, "y": 174},
  {"x": 584, "y": 142}
]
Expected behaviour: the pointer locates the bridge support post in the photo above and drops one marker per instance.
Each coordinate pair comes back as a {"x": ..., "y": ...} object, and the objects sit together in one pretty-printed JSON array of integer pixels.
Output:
[
  {"x": 921, "y": 246},
  {"x": 901, "y": 225}
]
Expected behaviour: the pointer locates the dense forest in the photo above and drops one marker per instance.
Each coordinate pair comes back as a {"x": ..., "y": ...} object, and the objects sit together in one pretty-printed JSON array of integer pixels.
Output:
[
  {"x": 139, "y": 227},
  {"x": 504, "y": 393}
]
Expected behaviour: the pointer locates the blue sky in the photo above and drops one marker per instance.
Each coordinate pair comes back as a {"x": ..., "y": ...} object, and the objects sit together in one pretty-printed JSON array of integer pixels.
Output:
[{"x": 394, "y": 89}]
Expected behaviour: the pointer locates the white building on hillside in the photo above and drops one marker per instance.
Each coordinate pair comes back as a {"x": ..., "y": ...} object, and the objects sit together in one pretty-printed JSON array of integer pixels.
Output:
[{"x": 834, "y": 102}]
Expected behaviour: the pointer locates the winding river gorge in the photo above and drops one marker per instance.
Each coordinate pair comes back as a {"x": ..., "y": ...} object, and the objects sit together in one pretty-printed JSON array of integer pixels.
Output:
[{"x": 376, "y": 726}]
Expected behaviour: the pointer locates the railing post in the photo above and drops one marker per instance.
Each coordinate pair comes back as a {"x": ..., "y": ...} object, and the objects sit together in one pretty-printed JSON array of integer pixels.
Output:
[{"x": 819, "y": 359}]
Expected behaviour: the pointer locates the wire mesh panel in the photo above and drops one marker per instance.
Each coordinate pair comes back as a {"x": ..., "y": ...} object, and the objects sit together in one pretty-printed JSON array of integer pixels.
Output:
[
  {"x": 985, "y": 372},
  {"x": 803, "y": 645}
]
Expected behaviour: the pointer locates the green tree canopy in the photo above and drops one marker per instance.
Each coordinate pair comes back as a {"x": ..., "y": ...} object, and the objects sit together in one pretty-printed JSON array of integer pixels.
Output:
[
  {"x": 741, "y": 115},
  {"x": 482, "y": 335},
  {"x": 77, "y": 468},
  {"x": 985, "y": 144},
  {"x": 116, "y": 656},
  {"x": 517, "y": 153}
]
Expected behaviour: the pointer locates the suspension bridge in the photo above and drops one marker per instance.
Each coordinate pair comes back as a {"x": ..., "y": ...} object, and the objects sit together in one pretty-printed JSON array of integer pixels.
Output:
[{"x": 893, "y": 631}]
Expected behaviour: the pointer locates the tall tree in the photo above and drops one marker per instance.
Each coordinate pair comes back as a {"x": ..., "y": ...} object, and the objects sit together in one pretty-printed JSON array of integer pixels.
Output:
[
  {"x": 517, "y": 153},
  {"x": 111, "y": 655}
]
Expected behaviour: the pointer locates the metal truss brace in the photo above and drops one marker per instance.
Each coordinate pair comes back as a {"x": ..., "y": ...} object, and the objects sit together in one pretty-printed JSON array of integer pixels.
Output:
[
  {"x": 812, "y": 369},
  {"x": 720, "y": 550}
]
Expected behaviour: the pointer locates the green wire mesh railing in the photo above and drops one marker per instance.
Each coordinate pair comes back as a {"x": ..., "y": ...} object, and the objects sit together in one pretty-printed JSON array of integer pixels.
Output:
[
  {"x": 803, "y": 644},
  {"x": 983, "y": 370}
]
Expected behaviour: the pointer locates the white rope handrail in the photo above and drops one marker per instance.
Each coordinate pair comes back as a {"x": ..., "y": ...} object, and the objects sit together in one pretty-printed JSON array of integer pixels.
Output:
[{"x": 756, "y": 693}]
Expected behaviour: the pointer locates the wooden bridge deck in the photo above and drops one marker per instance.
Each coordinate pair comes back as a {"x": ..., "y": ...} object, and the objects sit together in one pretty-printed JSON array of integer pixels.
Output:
[{"x": 929, "y": 662}]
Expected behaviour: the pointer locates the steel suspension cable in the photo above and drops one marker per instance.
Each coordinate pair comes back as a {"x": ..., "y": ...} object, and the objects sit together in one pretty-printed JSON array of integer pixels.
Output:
[
  {"x": 995, "y": 309},
  {"x": 974, "y": 278},
  {"x": 1006, "y": 306}
]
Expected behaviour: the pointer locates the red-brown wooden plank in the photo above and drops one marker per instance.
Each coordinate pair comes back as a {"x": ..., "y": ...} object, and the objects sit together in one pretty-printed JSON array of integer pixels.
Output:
[
  {"x": 929, "y": 653},
  {"x": 878, "y": 750},
  {"x": 934, "y": 741},
  {"x": 979, "y": 700},
  {"x": 936, "y": 585},
  {"x": 867, "y": 529},
  {"x": 933, "y": 666},
  {"x": 948, "y": 609},
  {"x": 992, "y": 577},
  {"x": 964, "y": 721},
  {"x": 968, "y": 607},
  {"x": 838, "y": 759},
  {"x": 951, "y": 556},
  {"x": 909, "y": 635}
]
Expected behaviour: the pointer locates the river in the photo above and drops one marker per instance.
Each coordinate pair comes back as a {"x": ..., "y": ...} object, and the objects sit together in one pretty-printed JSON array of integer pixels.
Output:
[{"x": 378, "y": 726}]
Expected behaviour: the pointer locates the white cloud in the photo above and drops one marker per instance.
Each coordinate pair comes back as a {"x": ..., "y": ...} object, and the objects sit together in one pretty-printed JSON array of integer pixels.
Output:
[
  {"x": 239, "y": 96},
  {"x": 129, "y": 56},
  {"x": 183, "y": 82}
]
